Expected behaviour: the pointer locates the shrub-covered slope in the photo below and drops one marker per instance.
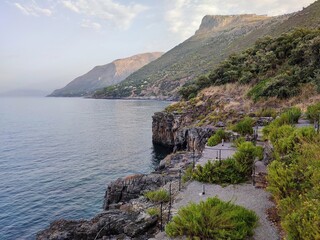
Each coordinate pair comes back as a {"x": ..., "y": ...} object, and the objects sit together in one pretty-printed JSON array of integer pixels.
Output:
[{"x": 273, "y": 67}]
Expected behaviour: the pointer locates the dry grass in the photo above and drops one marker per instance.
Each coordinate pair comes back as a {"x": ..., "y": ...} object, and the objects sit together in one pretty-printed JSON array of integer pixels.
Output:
[{"x": 230, "y": 89}]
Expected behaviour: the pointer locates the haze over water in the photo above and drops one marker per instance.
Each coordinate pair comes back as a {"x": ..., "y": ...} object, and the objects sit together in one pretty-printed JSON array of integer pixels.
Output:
[{"x": 58, "y": 154}]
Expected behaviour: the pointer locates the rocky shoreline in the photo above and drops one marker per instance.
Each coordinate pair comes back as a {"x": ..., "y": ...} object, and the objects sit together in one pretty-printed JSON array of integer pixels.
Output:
[{"x": 124, "y": 213}]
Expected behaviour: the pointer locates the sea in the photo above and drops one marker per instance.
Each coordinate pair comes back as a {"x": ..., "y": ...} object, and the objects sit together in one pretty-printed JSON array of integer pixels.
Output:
[{"x": 57, "y": 156}]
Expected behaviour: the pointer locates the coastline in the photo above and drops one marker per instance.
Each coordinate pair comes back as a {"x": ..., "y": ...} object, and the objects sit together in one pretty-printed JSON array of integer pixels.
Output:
[
  {"x": 125, "y": 212},
  {"x": 124, "y": 204}
]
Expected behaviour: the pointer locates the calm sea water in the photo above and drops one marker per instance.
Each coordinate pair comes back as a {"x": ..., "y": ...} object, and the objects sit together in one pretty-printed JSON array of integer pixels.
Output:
[{"x": 58, "y": 154}]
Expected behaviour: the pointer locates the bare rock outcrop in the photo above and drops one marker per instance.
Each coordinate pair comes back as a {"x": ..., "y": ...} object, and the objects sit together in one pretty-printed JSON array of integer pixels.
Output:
[
  {"x": 168, "y": 130},
  {"x": 124, "y": 189},
  {"x": 116, "y": 223}
]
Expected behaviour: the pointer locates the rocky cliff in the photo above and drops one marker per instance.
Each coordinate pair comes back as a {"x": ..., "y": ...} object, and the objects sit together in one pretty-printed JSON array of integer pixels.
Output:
[
  {"x": 170, "y": 130},
  {"x": 105, "y": 75},
  {"x": 217, "y": 23}
]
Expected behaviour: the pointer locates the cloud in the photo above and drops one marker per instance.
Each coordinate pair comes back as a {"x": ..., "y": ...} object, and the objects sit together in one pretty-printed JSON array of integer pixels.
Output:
[
  {"x": 184, "y": 16},
  {"x": 33, "y": 9},
  {"x": 87, "y": 23},
  {"x": 115, "y": 13}
]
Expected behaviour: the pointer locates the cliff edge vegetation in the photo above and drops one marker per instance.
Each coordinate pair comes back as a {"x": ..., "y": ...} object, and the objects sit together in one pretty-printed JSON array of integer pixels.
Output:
[{"x": 275, "y": 73}]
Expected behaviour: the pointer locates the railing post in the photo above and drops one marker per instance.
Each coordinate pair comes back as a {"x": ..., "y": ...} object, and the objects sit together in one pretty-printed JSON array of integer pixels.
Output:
[
  {"x": 253, "y": 174},
  {"x": 169, "y": 212},
  {"x": 160, "y": 216},
  {"x": 318, "y": 123},
  {"x": 109, "y": 228},
  {"x": 179, "y": 180}
]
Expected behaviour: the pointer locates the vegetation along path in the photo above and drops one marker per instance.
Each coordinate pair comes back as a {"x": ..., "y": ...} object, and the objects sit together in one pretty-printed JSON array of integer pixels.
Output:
[{"x": 244, "y": 195}]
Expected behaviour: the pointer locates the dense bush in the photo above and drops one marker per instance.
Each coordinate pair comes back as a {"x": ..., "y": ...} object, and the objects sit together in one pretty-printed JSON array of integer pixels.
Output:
[
  {"x": 244, "y": 127},
  {"x": 212, "y": 219},
  {"x": 289, "y": 117},
  {"x": 229, "y": 171},
  {"x": 160, "y": 195},
  {"x": 216, "y": 138},
  {"x": 293, "y": 179},
  {"x": 313, "y": 112},
  {"x": 276, "y": 67},
  {"x": 224, "y": 172},
  {"x": 245, "y": 156},
  {"x": 237, "y": 142}
]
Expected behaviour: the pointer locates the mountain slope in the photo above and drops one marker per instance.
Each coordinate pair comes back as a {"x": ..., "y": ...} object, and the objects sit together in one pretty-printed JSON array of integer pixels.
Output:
[
  {"x": 191, "y": 58},
  {"x": 106, "y": 75},
  {"x": 216, "y": 39}
]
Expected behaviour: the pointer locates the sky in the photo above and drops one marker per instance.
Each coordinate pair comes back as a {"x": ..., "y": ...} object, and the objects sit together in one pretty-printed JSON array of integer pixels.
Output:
[{"x": 45, "y": 44}]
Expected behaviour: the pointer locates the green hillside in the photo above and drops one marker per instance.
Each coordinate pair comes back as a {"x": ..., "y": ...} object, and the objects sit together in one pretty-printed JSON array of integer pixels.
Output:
[
  {"x": 195, "y": 56},
  {"x": 274, "y": 67},
  {"x": 216, "y": 39}
]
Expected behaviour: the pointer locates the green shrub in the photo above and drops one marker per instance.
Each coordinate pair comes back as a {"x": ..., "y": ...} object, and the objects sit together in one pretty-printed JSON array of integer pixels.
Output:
[
  {"x": 292, "y": 115},
  {"x": 187, "y": 176},
  {"x": 230, "y": 171},
  {"x": 217, "y": 138},
  {"x": 289, "y": 117},
  {"x": 160, "y": 195},
  {"x": 313, "y": 112},
  {"x": 238, "y": 141},
  {"x": 189, "y": 90},
  {"x": 244, "y": 127},
  {"x": 267, "y": 112},
  {"x": 245, "y": 156},
  {"x": 293, "y": 179},
  {"x": 212, "y": 219},
  {"x": 153, "y": 211},
  {"x": 224, "y": 172}
]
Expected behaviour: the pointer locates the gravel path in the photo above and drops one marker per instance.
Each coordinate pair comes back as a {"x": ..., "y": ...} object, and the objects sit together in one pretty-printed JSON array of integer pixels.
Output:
[
  {"x": 219, "y": 151},
  {"x": 244, "y": 195}
]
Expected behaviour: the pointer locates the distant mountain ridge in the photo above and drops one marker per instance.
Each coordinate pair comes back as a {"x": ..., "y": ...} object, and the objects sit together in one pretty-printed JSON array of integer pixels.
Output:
[
  {"x": 105, "y": 75},
  {"x": 217, "y": 38}
]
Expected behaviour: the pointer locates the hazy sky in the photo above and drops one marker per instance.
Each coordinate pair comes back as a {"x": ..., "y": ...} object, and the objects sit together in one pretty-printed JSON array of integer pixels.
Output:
[{"x": 44, "y": 44}]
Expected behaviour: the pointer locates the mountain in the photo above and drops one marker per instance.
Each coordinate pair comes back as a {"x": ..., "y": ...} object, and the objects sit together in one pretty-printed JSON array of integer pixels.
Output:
[
  {"x": 105, "y": 75},
  {"x": 217, "y": 38},
  {"x": 195, "y": 56}
]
